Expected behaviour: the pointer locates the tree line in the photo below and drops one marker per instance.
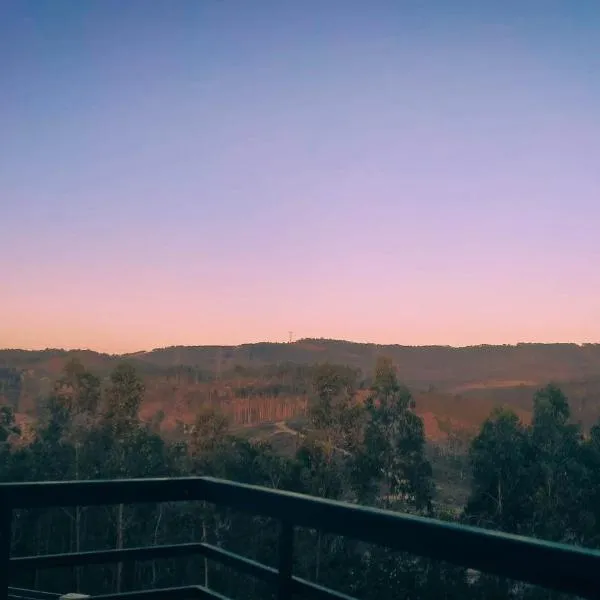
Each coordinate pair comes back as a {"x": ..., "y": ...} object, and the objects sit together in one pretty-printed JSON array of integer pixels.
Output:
[{"x": 541, "y": 479}]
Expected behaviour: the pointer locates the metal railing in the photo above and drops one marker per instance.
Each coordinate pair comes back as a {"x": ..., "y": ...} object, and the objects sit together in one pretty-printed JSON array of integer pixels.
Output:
[{"x": 554, "y": 566}]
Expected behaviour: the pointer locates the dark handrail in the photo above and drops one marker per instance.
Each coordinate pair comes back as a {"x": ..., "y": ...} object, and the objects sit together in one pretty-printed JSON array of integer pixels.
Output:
[{"x": 555, "y": 566}]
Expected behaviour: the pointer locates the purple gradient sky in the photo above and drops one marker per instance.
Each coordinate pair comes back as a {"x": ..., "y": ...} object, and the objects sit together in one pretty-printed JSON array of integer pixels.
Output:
[{"x": 194, "y": 172}]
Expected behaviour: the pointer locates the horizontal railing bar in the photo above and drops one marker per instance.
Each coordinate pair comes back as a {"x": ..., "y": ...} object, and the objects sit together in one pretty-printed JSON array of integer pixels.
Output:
[
  {"x": 557, "y": 566},
  {"x": 21, "y": 597},
  {"x": 95, "y": 557},
  {"x": 204, "y": 592},
  {"x": 230, "y": 559},
  {"x": 47, "y": 494},
  {"x": 268, "y": 574},
  {"x": 174, "y": 593},
  {"x": 23, "y": 594},
  {"x": 37, "y": 593},
  {"x": 72, "y": 559},
  {"x": 240, "y": 563},
  {"x": 313, "y": 590}
]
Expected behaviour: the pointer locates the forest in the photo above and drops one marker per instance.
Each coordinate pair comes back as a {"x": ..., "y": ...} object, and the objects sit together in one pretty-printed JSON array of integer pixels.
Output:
[{"x": 361, "y": 440}]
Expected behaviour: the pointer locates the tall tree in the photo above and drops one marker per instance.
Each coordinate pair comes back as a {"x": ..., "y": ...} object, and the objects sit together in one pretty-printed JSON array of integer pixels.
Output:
[
  {"x": 500, "y": 458},
  {"x": 122, "y": 403},
  {"x": 8, "y": 430},
  {"x": 78, "y": 389},
  {"x": 557, "y": 468},
  {"x": 590, "y": 489},
  {"x": 393, "y": 464},
  {"x": 124, "y": 396},
  {"x": 334, "y": 413},
  {"x": 334, "y": 433},
  {"x": 210, "y": 434}
]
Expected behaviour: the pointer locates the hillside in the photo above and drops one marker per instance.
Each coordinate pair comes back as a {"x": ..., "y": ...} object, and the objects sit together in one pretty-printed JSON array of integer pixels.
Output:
[
  {"x": 442, "y": 366},
  {"x": 455, "y": 388}
]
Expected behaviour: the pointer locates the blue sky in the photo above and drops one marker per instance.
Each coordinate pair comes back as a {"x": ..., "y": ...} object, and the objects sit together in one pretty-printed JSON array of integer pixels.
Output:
[{"x": 221, "y": 171}]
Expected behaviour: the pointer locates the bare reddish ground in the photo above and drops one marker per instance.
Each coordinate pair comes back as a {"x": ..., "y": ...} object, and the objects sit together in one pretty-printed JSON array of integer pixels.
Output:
[
  {"x": 432, "y": 427},
  {"x": 486, "y": 385},
  {"x": 55, "y": 365}
]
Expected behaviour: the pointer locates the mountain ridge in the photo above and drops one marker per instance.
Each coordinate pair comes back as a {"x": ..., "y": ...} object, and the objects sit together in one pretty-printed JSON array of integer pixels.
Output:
[
  {"x": 300, "y": 341},
  {"x": 447, "y": 366}
]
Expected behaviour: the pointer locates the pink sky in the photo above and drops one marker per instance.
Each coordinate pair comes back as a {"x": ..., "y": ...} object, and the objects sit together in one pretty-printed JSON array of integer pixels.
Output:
[{"x": 388, "y": 173}]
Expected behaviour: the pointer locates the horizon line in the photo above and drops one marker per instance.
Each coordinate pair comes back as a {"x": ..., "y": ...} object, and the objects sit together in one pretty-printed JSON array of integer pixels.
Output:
[{"x": 300, "y": 340}]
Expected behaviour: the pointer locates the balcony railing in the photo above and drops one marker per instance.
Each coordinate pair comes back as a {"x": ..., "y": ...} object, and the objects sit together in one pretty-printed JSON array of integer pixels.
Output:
[{"x": 553, "y": 566}]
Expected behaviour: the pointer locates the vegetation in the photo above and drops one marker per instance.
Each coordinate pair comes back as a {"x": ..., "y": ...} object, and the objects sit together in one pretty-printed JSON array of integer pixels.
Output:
[
  {"x": 455, "y": 388},
  {"x": 360, "y": 440}
]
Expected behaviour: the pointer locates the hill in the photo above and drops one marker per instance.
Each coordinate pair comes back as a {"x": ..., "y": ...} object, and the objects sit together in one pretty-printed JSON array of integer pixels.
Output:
[
  {"x": 418, "y": 365},
  {"x": 455, "y": 388}
]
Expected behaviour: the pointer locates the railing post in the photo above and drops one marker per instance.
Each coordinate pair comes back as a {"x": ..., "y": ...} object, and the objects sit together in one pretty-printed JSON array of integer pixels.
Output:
[
  {"x": 286, "y": 561},
  {"x": 5, "y": 541}
]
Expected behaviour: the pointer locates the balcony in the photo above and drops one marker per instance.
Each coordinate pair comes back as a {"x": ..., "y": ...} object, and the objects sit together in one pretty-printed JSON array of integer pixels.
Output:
[{"x": 553, "y": 566}]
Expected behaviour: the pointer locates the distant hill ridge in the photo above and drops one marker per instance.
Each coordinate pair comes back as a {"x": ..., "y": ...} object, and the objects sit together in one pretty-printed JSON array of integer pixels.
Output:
[{"x": 440, "y": 366}]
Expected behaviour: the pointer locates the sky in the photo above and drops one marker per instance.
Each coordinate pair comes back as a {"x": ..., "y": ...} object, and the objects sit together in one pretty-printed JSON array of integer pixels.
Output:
[{"x": 225, "y": 171}]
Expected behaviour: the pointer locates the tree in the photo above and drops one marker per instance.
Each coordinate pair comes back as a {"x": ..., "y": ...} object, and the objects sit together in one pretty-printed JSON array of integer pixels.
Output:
[
  {"x": 393, "y": 462},
  {"x": 334, "y": 435},
  {"x": 122, "y": 428},
  {"x": 501, "y": 490},
  {"x": 124, "y": 396},
  {"x": 78, "y": 389},
  {"x": 590, "y": 488},
  {"x": 79, "y": 392},
  {"x": 75, "y": 404},
  {"x": 8, "y": 425},
  {"x": 210, "y": 433},
  {"x": 557, "y": 468},
  {"x": 532, "y": 480},
  {"x": 8, "y": 430},
  {"x": 334, "y": 413}
]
